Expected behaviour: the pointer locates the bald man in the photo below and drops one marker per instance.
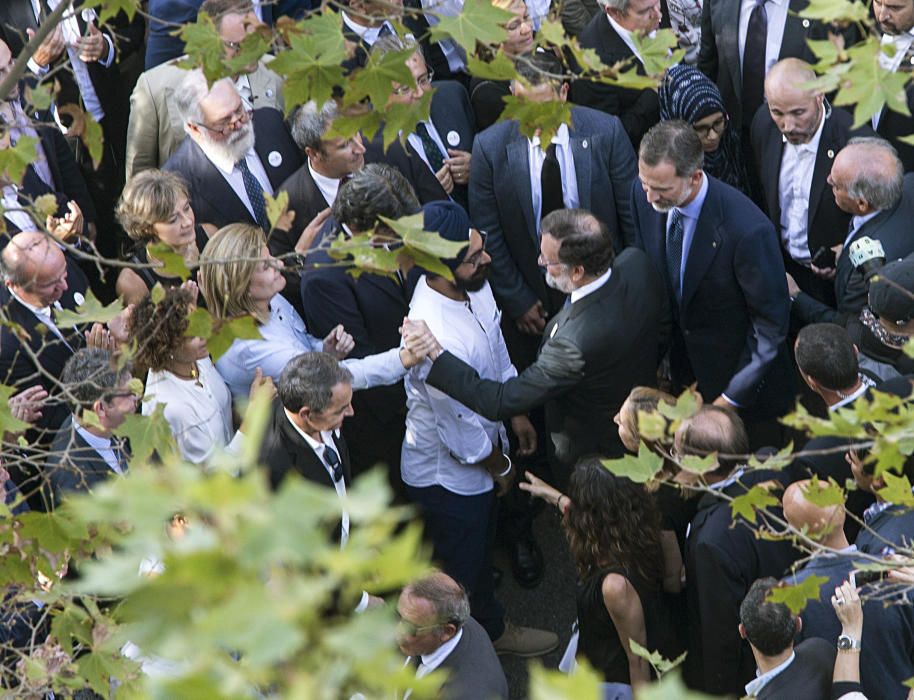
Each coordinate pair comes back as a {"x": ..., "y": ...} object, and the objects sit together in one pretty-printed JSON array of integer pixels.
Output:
[
  {"x": 887, "y": 646},
  {"x": 795, "y": 139}
]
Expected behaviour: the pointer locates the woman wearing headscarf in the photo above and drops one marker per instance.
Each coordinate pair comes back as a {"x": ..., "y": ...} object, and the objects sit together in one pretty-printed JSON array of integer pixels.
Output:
[{"x": 688, "y": 94}]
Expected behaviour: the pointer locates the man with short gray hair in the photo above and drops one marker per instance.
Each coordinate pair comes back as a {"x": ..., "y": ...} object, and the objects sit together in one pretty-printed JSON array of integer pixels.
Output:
[
  {"x": 231, "y": 155},
  {"x": 721, "y": 261},
  {"x": 869, "y": 183}
]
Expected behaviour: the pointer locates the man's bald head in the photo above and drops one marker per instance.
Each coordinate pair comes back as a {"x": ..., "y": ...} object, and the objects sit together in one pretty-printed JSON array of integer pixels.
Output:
[
  {"x": 819, "y": 521},
  {"x": 797, "y": 111},
  {"x": 34, "y": 268}
]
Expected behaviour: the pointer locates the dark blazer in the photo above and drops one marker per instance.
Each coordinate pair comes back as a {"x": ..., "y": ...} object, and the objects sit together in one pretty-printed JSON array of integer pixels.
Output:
[
  {"x": 487, "y": 100},
  {"x": 892, "y": 125},
  {"x": 892, "y": 227},
  {"x": 594, "y": 351},
  {"x": 73, "y": 465},
  {"x": 214, "y": 201},
  {"x": 501, "y": 201},
  {"x": 638, "y": 110},
  {"x": 408, "y": 162},
  {"x": 718, "y": 55},
  {"x": 809, "y": 676},
  {"x": 732, "y": 320},
  {"x": 826, "y": 223},
  {"x": 473, "y": 667},
  {"x": 65, "y": 173},
  {"x": 451, "y": 113},
  {"x": 722, "y": 559},
  {"x": 893, "y": 526},
  {"x": 887, "y": 656}
]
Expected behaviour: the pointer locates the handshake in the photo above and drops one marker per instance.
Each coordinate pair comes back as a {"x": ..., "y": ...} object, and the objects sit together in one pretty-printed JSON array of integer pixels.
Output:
[{"x": 418, "y": 343}]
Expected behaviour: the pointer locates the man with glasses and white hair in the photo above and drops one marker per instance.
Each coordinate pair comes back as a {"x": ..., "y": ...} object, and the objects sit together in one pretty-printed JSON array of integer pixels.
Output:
[{"x": 231, "y": 156}]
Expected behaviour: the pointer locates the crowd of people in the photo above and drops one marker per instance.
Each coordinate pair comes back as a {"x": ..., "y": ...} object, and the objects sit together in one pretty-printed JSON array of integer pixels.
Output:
[{"x": 729, "y": 231}]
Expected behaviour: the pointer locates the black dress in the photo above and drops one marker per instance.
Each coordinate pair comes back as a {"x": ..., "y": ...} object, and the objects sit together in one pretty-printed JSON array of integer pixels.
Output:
[
  {"x": 486, "y": 99},
  {"x": 599, "y": 641},
  {"x": 150, "y": 277}
]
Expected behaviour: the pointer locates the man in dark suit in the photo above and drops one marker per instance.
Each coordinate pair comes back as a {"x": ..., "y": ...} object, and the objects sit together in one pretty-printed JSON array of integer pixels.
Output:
[
  {"x": 720, "y": 258},
  {"x": 444, "y": 141},
  {"x": 887, "y": 639},
  {"x": 795, "y": 140},
  {"x": 364, "y": 22},
  {"x": 85, "y": 453},
  {"x": 784, "y": 670},
  {"x": 230, "y": 155},
  {"x": 609, "y": 33},
  {"x": 887, "y": 525},
  {"x": 723, "y": 555},
  {"x": 896, "y": 20},
  {"x": 602, "y": 344},
  {"x": 868, "y": 182},
  {"x": 437, "y": 631},
  {"x": 516, "y": 182}
]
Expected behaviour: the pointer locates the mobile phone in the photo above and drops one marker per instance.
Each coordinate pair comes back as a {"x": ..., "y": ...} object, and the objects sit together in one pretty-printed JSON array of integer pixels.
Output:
[
  {"x": 824, "y": 257},
  {"x": 862, "y": 578}
]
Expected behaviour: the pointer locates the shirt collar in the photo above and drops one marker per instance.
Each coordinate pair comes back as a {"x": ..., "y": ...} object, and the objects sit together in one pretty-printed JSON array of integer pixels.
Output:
[
  {"x": 590, "y": 287},
  {"x": 755, "y": 687},
  {"x": 39, "y": 310},
  {"x": 692, "y": 210},
  {"x": 367, "y": 34},
  {"x": 318, "y": 447},
  {"x": 561, "y": 137},
  {"x": 219, "y": 159},
  {"x": 437, "y": 657},
  {"x": 732, "y": 479},
  {"x": 865, "y": 383},
  {"x": 324, "y": 183},
  {"x": 96, "y": 442}
]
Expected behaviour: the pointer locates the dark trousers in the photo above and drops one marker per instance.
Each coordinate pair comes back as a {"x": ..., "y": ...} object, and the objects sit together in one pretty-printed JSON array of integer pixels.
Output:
[{"x": 462, "y": 530}]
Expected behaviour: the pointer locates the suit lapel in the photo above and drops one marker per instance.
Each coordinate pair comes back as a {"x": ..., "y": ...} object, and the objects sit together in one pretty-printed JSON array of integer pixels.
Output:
[
  {"x": 212, "y": 186},
  {"x": 581, "y": 150},
  {"x": 705, "y": 243},
  {"x": 824, "y": 158},
  {"x": 773, "y": 155},
  {"x": 794, "y": 42},
  {"x": 304, "y": 460},
  {"x": 519, "y": 169},
  {"x": 729, "y": 48}
]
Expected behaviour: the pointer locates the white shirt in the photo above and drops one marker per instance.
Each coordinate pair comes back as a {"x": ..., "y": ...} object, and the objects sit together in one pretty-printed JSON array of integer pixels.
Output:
[
  {"x": 367, "y": 34},
  {"x": 902, "y": 44},
  {"x": 102, "y": 445},
  {"x": 539, "y": 9},
  {"x": 865, "y": 383},
  {"x": 284, "y": 337},
  {"x": 13, "y": 210},
  {"x": 453, "y": 52},
  {"x": 416, "y": 142},
  {"x": 754, "y": 687},
  {"x": 200, "y": 416},
  {"x": 590, "y": 287},
  {"x": 536, "y": 156},
  {"x": 777, "y": 19},
  {"x": 328, "y": 186},
  {"x": 856, "y": 223},
  {"x": 320, "y": 449},
  {"x": 233, "y": 176},
  {"x": 445, "y": 440},
  {"x": 429, "y": 662},
  {"x": 43, "y": 314},
  {"x": 794, "y": 184}
]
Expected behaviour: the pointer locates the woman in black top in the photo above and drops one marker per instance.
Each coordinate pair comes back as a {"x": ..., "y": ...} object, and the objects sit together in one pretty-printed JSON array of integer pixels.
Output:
[
  {"x": 155, "y": 209},
  {"x": 613, "y": 529}
]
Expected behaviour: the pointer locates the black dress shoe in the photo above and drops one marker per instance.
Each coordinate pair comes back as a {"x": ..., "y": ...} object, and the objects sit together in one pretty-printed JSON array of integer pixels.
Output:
[{"x": 527, "y": 563}]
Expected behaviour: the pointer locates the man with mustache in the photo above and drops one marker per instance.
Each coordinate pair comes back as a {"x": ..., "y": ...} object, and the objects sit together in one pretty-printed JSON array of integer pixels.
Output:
[
  {"x": 896, "y": 20},
  {"x": 231, "y": 155}
]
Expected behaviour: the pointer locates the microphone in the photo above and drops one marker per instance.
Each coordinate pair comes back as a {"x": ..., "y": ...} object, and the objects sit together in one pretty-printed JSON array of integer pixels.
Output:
[{"x": 867, "y": 255}]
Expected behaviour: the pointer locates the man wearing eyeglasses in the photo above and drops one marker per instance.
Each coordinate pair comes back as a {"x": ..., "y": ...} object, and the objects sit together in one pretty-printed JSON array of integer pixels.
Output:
[
  {"x": 155, "y": 129},
  {"x": 231, "y": 156},
  {"x": 796, "y": 138}
]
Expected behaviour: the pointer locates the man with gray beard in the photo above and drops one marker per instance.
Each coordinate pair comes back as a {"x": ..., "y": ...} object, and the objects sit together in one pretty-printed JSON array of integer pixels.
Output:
[{"x": 231, "y": 155}]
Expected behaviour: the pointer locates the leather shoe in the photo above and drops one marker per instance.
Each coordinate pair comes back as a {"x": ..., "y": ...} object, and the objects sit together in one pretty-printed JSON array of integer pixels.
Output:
[
  {"x": 525, "y": 641},
  {"x": 527, "y": 563}
]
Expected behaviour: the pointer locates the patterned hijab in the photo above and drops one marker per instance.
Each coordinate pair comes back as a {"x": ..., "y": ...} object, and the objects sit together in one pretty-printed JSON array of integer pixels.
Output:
[{"x": 687, "y": 94}]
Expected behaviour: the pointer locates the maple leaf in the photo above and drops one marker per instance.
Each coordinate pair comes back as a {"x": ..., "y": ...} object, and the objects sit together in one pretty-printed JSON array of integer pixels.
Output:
[
  {"x": 640, "y": 469},
  {"x": 90, "y": 311},
  {"x": 479, "y": 20},
  {"x": 796, "y": 596},
  {"x": 756, "y": 498},
  {"x": 537, "y": 118}
]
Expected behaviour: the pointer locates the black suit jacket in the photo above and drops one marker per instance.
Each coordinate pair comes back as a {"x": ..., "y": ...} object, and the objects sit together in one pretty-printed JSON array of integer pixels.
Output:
[
  {"x": 722, "y": 559},
  {"x": 474, "y": 669},
  {"x": 594, "y": 351},
  {"x": 826, "y": 224},
  {"x": 638, "y": 110},
  {"x": 892, "y": 227},
  {"x": 809, "y": 676},
  {"x": 732, "y": 319},
  {"x": 408, "y": 162},
  {"x": 894, "y": 125},
  {"x": 214, "y": 201}
]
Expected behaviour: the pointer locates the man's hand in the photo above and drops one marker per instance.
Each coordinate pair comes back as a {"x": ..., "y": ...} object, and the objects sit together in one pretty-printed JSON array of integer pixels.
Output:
[
  {"x": 26, "y": 405},
  {"x": 338, "y": 343},
  {"x": 49, "y": 49},
  {"x": 496, "y": 463},
  {"x": 92, "y": 47},
  {"x": 118, "y": 326},
  {"x": 262, "y": 384},
  {"x": 526, "y": 435},
  {"x": 793, "y": 289},
  {"x": 459, "y": 165},
  {"x": 69, "y": 226},
  {"x": 418, "y": 343},
  {"x": 533, "y": 321},
  {"x": 311, "y": 230},
  {"x": 445, "y": 178}
]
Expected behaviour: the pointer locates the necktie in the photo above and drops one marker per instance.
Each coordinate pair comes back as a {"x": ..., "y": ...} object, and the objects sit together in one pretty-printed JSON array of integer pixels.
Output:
[
  {"x": 674, "y": 235},
  {"x": 333, "y": 461},
  {"x": 754, "y": 61},
  {"x": 432, "y": 152},
  {"x": 386, "y": 30},
  {"x": 551, "y": 184},
  {"x": 255, "y": 194}
]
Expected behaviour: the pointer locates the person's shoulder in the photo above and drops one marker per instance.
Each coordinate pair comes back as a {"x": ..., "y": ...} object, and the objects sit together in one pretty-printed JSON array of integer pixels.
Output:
[
  {"x": 599, "y": 122},
  {"x": 816, "y": 650},
  {"x": 734, "y": 207},
  {"x": 500, "y": 131}
]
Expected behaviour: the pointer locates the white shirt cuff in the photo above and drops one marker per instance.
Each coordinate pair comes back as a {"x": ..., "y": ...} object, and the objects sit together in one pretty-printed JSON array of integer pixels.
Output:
[
  {"x": 363, "y": 603},
  {"x": 730, "y": 401},
  {"x": 109, "y": 59},
  {"x": 35, "y": 68}
]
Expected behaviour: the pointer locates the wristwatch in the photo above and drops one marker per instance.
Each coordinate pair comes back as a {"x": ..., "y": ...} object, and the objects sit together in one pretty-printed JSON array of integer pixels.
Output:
[{"x": 846, "y": 643}]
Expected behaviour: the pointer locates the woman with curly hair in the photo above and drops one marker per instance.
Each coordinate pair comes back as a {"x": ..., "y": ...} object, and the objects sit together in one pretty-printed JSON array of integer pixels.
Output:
[
  {"x": 181, "y": 376},
  {"x": 613, "y": 530}
]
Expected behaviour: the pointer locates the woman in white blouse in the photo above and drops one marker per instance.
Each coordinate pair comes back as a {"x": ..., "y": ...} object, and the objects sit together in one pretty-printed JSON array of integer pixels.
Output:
[{"x": 239, "y": 277}]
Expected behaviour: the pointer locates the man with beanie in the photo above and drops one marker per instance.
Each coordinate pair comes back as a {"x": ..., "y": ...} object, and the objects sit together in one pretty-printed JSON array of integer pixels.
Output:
[{"x": 453, "y": 458}]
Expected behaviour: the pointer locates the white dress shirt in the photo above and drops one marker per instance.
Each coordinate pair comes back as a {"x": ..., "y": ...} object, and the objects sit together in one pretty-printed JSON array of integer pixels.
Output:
[
  {"x": 284, "y": 337},
  {"x": 777, "y": 20},
  {"x": 856, "y": 223},
  {"x": 102, "y": 445},
  {"x": 445, "y": 440},
  {"x": 43, "y": 314},
  {"x": 414, "y": 141},
  {"x": 13, "y": 210},
  {"x": 794, "y": 184},
  {"x": 590, "y": 287},
  {"x": 367, "y": 34},
  {"x": 902, "y": 44},
  {"x": 429, "y": 662},
  {"x": 200, "y": 417},
  {"x": 755, "y": 686},
  {"x": 536, "y": 156},
  {"x": 865, "y": 383},
  {"x": 453, "y": 52},
  {"x": 233, "y": 176},
  {"x": 328, "y": 186}
]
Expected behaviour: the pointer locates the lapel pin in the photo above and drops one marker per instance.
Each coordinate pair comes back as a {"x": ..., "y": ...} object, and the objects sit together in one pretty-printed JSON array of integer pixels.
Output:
[
  {"x": 79, "y": 298},
  {"x": 274, "y": 159},
  {"x": 831, "y": 153},
  {"x": 453, "y": 138},
  {"x": 713, "y": 244},
  {"x": 584, "y": 143},
  {"x": 269, "y": 92},
  {"x": 805, "y": 24}
]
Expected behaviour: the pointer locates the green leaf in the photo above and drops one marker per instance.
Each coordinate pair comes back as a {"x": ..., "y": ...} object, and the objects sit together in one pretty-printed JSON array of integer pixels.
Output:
[
  {"x": 756, "y": 498},
  {"x": 200, "y": 324},
  {"x": 823, "y": 494},
  {"x": 796, "y": 596},
  {"x": 479, "y": 20},
  {"x": 253, "y": 47},
  {"x": 44, "y": 206},
  {"x": 243, "y": 328},
  {"x": 157, "y": 293},
  {"x": 148, "y": 434},
  {"x": 39, "y": 96},
  {"x": 831, "y": 11},
  {"x": 699, "y": 465},
  {"x": 365, "y": 255},
  {"x": 93, "y": 138},
  {"x": 401, "y": 119},
  {"x": 537, "y": 118},
  {"x": 670, "y": 687},
  {"x": 203, "y": 48},
  {"x": 897, "y": 490},
  {"x": 276, "y": 206},
  {"x": 640, "y": 469},
  {"x": 499, "y": 68},
  {"x": 775, "y": 462},
  {"x": 658, "y": 52},
  {"x": 90, "y": 311},
  {"x": 109, "y": 9},
  {"x": 547, "y": 684},
  {"x": 655, "y": 658},
  {"x": 376, "y": 79},
  {"x": 411, "y": 232},
  {"x": 173, "y": 264},
  {"x": 9, "y": 423},
  {"x": 686, "y": 406},
  {"x": 14, "y": 161},
  {"x": 867, "y": 86}
]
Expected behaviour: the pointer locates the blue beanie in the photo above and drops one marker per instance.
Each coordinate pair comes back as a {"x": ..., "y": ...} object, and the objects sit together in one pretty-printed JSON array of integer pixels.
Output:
[{"x": 451, "y": 222}]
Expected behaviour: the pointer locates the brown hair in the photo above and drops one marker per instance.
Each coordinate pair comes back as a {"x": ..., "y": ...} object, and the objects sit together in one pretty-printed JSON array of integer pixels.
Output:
[
  {"x": 159, "y": 328},
  {"x": 148, "y": 199}
]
